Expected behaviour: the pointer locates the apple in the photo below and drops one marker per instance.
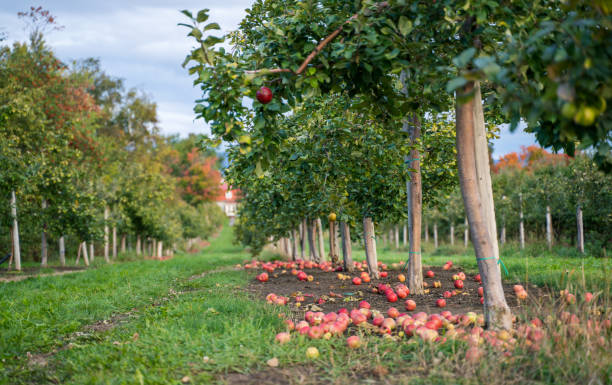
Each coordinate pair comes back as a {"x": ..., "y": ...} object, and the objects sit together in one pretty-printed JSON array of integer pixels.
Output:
[
  {"x": 378, "y": 320},
  {"x": 477, "y": 278},
  {"x": 357, "y": 281},
  {"x": 518, "y": 288},
  {"x": 402, "y": 293},
  {"x": 283, "y": 337},
  {"x": 312, "y": 352},
  {"x": 264, "y": 95},
  {"x": 401, "y": 277},
  {"x": 391, "y": 296},
  {"x": 588, "y": 297},
  {"x": 447, "y": 294},
  {"x": 459, "y": 284},
  {"x": 521, "y": 294},
  {"x": 353, "y": 342},
  {"x": 482, "y": 300},
  {"x": 383, "y": 274},
  {"x": 449, "y": 263},
  {"x": 358, "y": 318},
  {"x": 302, "y": 276},
  {"x": 263, "y": 277},
  {"x": 393, "y": 312},
  {"x": 315, "y": 332},
  {"x": 446, "y": 267},
  {"x": 480, "y": 291},
  {"x": 570, "y": 298},
  {"x": 382, "y": 288},
  {"x": 429, "y": 274},
  {"x": 364, "y": 304},
  {"x": 462, "y": 276},
  {"x": 270, "y": 298},
  {"x": 437, "y": 284},
  {"x": 410, "y": 305},
  {"x": 441, "y": 303}
]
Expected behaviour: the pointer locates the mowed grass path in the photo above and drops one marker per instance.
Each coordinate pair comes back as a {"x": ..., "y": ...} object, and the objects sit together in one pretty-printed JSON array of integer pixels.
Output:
[{"x": 207, "y": 327}]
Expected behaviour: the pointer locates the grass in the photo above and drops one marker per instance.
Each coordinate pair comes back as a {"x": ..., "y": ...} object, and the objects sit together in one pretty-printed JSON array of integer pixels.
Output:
[{"x": 208, "y": 327}]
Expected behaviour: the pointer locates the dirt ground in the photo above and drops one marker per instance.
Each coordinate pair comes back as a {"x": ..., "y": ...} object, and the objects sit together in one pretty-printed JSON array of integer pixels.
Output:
[
  {"x": 27, "y": 272},
  {"x": 337, "y": 294}
]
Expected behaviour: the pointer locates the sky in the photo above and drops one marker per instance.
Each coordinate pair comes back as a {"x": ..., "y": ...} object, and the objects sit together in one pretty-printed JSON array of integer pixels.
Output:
[{"x": 140, "y": 42}]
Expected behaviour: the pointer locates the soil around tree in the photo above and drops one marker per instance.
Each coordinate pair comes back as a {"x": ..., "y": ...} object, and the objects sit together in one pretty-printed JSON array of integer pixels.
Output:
[{"x": 327, "y": 293}]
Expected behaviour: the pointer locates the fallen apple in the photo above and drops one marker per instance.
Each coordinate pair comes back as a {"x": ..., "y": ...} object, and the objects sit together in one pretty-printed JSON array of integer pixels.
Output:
[
  {"x": 263, "y": 277},
  {"x": 283, "y": 337},
  {"x": 312, "y": 352},
  {"x": 459, "y": 284},
  {"x": 410, "y": 305},
  {"x": 440, "y": 303},
  {"x": 429, "y": 274},
  {"x": 401, "y": 277},
  {"x": 357, "y": 281},
  {"x": 353, "y": 342}
]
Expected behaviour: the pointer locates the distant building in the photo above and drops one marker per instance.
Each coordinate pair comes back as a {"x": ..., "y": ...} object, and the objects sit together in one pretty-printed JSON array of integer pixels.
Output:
[{"x": 228, "y": 200}]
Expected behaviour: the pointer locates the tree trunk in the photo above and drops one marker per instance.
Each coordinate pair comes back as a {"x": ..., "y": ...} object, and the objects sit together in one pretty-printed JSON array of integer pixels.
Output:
[
  {"x": 114, "y": 242},
  {"x": 465, "y": 233},
  {"x": 153, "y": 248},
  {"x": 405, "y": 236},
  {"x": 503, "y": 233},
  {"x": 332, "y": 243},
  {"x": 452, "y": 234},
  {"x": 521, "y": 224},
  {"x": 62, "y": 251},
  {"x": 303, "y": 236},
  {"x": 16, "y": 256},
  {"x": 321, "y": 240},
  {"x": 396, "y": 236},
  {"x": 426, "y": 232},
  {"x": 496, "y": 310},
  {"x": 435, "y": 234},
  {"x": 294, "y": 249},
  {"x": 310, "y": 230},
  {"x": 160, "y": 247},
  {"x": 549, "y": 240},
  {"x": 391, "y": 238},
  {"x": 43, "y": 239},
  {"x": 106, "y": 235},
  {"x": 138, "y": 244},
  {"x": 369, "y": 240},
  {"x": 85, "y": 256},
  {"x": 347, "y": 249},
  {"x": 91, "y": 251},
  {"x": 123, "y": 239},
  {"x": 483, "y": 169},
  {"x": 580, "y": 229}
]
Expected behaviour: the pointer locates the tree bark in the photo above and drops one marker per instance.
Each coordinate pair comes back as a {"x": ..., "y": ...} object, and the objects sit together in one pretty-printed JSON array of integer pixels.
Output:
[
  {"x": 303, "y": 236},
  {"x": 405, "y": 236},
  {"x": 114, "y": 242},
  {"x": 138, "y": 244},
  {"x": 369, "y": 240},
  {"x": 123, "y": 239},
  {"x": 347, "y": 248},
  {"x": 16, "y": 246},
  {"x": 91, "y": 251},
  {"x": 521, "y": 223},
  {"x": 332, "y": 243},
  {"x": 160, "y": 248},
  {"x": 465, "y": 233},
  {"x": 294, "y": 249},
  {"x": 43, "y": 239},
  {"x": 483, "y": 169},
  {"x": 503, "y": 233},
  {"x": 580, "y": 230},
  {"x": 310, "y": 230},
  {"x": 496, "y": 310},
  {"x": 452, "y": 234},
  {"x": 321, "y": 240},
  {"x": 85, "y": 256},
  {"x": 396, "y": 236},
  {"x": 435, "y": 234},
  {"x": 62, "y": 251},
  {"x": 153, "y": 248},
  {"x": 106, "y": 235},
  {"x": 549, "y": 240},
  {"x": 426, "y": 232}
]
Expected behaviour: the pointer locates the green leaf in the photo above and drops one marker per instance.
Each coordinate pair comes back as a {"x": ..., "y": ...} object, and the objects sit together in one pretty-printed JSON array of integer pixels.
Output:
[
  {"x": 464, "y": 58},
  {"x": 202, "y": 15},
  {"x": 211, "y": 26},
  {"x": 455, "y": 83},
  {"x": 187, "y": 13},
  {"x": 404, "y": 25}
]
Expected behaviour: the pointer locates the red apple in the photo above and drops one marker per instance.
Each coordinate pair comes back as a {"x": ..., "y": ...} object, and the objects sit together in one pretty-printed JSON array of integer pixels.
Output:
[
  {"x": 315, "y": 332},
  {"x": 383, "y": 274},
  {"x": 410, "y": 305},
  {"x": 283, "y": 337},
  {"x": 588, "y": 297},
  {"x": 264, "y": 95},
  {"x": 441, "y": 303},
  {"x": 393, "y": 312},
  {"x": 480, "y": 291},
  {"x": 263, "y": 277},
  {"x": 353, "y": 342},
  {"x": 477, "y": 278},
  {"x": 391, "y": 296},
  {"x": 356, "y": 281},
  {"x": 364, "y": 304},
  {"x": 459, "y": 284},
  {"x": 447, "y": 294},
  {"x": 429, "y": 274},
  {"x": 302, "y": 276}
]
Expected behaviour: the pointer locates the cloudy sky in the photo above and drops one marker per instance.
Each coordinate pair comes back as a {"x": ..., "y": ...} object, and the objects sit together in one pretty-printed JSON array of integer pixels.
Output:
[{"x": 140, "y": 41}]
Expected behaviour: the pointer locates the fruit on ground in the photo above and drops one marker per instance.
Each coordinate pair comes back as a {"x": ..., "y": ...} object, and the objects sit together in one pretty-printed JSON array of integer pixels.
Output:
[
  {"x": 588, "y": 297},
  {"x": 441, "y": 302},
  {"x": 283, "y": 337},
  {"x": 393, "y": 312},
  {"x": 315, "y": 332},
  {"x": 410, "y": 305},
  {"x": 332, "y": 217},
  {"x": 302, "y": 276},
  {"x": 447, "y": 294},
  {"x": 429, "y": 274},
  {"x": 383, "y": 274},
  {"x": 401, "y": 278},
  {"x": 356, "y": 281},
  {"x": 459, "y": 284},
  {"x": 364, "y": 305},
  {"x": 391, "y": 296},
  {"x": 477, "y": 278},
  {"x": 264, "y": 95},
  {"x": 312, "y": 352},
  {"x": 521, "y": 294},
  {"x": 353, "y": 342},
  {"x": 480, "y": 291},
  {"x": 263, "y": 277}
]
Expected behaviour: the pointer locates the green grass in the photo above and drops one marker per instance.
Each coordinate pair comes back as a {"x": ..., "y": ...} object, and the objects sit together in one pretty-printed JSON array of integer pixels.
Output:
[{"x": 213, "y": 316}]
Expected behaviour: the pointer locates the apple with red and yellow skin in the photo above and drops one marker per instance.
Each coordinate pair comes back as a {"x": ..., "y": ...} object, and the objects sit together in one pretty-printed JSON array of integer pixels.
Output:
[
  {"x": 441, "y": 302},
  {"x": 391, "y": 296},
  {"x": 302, "y": 276},
  {"x": 410, "y": 305},
  {"x": 429, "y": 274},
  {"x": 480, "y": 291},
  {"x": 264, "y": 95},
  {"x": 315, "y": 332},
  {"x": 477, "y": 278},
  {"x": 263, "y": 277},
  {"x": 364, "y": 305},
  {"x": 393, "y": 312},
  {"x": 283, "y": 338},
  {"x": 588, "y": 297},
  {"x": 353, "y": 342},
  {"x": 383, "y": 274},
  {"x": 447, "y": 294},
  {"x": 356, "y": 281},
  {"x": 378, "y": 320},
  {"x": 459, "y": 284},
  {"x": 401, "y": 277}
]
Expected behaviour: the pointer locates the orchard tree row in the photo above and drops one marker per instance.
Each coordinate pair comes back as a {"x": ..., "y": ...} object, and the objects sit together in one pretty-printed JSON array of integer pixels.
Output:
[
  {"x": 401, "y": 63},
  {"x": 83, "y": 163}
]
